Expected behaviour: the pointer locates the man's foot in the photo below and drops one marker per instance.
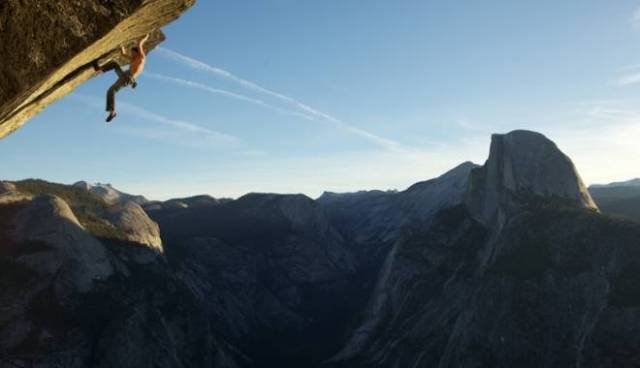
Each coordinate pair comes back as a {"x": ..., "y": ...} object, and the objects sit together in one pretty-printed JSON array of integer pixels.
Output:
[
  {"x": 112, "y": 115},
  {"x": 134, "y": 85},
  {"x": 96, "y": 66}
]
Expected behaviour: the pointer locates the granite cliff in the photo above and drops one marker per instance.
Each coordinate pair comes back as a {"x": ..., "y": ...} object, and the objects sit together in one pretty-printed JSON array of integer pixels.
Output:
[{"x": 48, "y": 47}]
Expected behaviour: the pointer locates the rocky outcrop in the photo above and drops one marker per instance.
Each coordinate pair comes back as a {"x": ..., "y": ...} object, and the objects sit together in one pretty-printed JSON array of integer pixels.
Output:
[
  {"x": 71, "y": 300},
  {"x": 423, "y": 200},
  {"x": 47, "y": 223},
  {"x": 523, "y": 165},
  {"x": 372, "y": 221},
  {"x": 102, "y": 219},
  {"x": 9, "y": 193},
  {"x": 48, "y": 47},
  {"x": 136, "y": 225}
]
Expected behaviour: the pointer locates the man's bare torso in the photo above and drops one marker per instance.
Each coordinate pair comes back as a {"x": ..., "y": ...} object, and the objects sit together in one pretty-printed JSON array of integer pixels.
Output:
[{"x": 136, "y": 64}]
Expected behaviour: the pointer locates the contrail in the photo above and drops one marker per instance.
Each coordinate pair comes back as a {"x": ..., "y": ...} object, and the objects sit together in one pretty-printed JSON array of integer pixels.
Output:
[
  {"x": 197, "y": 64},
  {"x": 308, "y": 110},
  {"x": 225, "y": 93}
]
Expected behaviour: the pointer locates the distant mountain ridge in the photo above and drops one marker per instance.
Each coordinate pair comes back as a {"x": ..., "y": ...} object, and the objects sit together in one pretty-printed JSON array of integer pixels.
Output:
[
  {"x": 109, "y": 194},
  {"x": 628, "y": 183},
  {"x": 620, "y": 199}
]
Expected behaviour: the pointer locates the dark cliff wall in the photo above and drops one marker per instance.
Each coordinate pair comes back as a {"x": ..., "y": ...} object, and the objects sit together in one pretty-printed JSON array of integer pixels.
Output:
[{"x": 47, "y": 47}]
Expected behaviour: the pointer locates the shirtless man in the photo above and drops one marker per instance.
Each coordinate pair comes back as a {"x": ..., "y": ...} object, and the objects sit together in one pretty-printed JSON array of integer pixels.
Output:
[{"x": 137, "y": 59}]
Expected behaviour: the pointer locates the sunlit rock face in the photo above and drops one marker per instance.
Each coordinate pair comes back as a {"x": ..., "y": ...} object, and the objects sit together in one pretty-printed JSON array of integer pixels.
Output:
[
  {"x": 136, "y": 225},
  {"x": 9, "y": 193},
  {"x": 48, "y": 47},
  {"x": 523, "y": 165},
  {"x": 49, "y": 221}
]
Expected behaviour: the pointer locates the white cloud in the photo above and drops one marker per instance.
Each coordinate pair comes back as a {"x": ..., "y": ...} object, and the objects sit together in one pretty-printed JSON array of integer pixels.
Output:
[{"x": 383, "y": 142}]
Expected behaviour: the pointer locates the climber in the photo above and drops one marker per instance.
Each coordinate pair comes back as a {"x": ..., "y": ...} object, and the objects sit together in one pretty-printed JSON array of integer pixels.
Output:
[{"x": 137, "y": 59}]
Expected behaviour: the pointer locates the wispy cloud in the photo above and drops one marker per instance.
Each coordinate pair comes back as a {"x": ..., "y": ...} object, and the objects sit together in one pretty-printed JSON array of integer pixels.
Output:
[
  {"x": 225, "y": 93},
  {"x": 632, "y": 72},
  {"x": 628, "y": 75},
  {"x": 635, "y": 19},
  {"x": 185, "y": 126},
  {"x": 629, "y": 79},
  {"x": 307, "y": 110},
  {"x": 195, "y": 131}
]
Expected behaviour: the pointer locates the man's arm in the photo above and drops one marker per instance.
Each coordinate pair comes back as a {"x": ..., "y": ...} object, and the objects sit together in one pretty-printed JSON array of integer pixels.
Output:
[{"x": 141, "y": 44}]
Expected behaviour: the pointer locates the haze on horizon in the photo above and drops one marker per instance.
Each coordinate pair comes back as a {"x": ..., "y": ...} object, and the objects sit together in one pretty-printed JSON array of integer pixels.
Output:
[{"x": 301, "y": 97}]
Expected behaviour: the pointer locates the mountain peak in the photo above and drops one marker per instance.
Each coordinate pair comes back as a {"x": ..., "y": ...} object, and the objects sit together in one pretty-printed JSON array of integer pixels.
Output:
[
  {"x": 457, "y": 174},
  {"x": 109, "y": 194},
  {"x": 524, "y": 162}
]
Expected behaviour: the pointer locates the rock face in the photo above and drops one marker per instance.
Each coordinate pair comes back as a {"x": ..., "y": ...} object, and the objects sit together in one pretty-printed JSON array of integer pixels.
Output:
[
  {"x": 9, "y": 193},
  {"x": 125, "y": 222},
  {"x": 48, "y": 47},
  {"x": 137, "y": 226},
  {"x": 523, "y": 164},
  {"x": 552, "y": 296},
  {"x": 72, "y": 300},
  {"x": 49, "y": 224},
  {"x": 372, "y": 221},
  {"x": 492, "y": 266},
  {"x": 268, "y": 269}
]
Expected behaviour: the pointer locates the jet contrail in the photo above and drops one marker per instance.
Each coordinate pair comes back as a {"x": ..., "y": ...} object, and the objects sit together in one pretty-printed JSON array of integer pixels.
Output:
[
  {"x": 225, "y": 93},
  {"x": 308, "y": 110}
]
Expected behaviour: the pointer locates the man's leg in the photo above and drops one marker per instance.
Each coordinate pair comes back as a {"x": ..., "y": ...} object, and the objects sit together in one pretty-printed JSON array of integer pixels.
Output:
[
  {"x": 111, "y": 97},
  {"x": 114, "y": 66}
]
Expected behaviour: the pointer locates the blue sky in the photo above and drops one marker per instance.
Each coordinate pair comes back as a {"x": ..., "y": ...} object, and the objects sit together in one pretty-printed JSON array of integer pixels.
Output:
[{"x": 298, "y": 96}]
